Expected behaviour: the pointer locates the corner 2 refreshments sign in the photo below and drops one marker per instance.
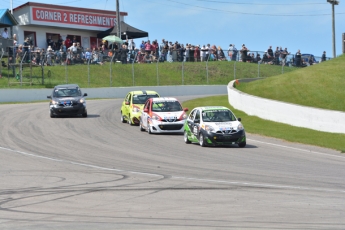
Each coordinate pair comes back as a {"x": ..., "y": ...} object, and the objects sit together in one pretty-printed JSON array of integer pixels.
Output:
[{"x": 70, "y": 17}]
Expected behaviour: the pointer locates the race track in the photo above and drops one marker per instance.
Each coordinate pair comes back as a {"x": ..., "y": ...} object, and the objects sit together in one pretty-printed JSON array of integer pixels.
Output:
[{"x": 98, "y": 173}]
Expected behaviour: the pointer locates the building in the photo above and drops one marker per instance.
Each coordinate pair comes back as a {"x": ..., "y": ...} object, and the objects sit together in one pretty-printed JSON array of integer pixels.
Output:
[{"x": 40, "y": 22}]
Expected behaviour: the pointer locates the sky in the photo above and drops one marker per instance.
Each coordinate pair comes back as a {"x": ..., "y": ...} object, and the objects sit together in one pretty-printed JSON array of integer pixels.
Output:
[{"x": 291, "y": 24}]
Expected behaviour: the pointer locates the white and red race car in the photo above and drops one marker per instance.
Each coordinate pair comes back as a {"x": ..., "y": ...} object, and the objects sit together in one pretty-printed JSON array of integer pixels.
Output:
[{"x": 163, "y": 115}]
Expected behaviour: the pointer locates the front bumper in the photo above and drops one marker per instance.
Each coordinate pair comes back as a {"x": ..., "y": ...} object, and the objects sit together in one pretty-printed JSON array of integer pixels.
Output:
[
  {"x": 216, "y": 139},
  {"x": 68, "y": 110},
  {"x": 167, "y": 127}
]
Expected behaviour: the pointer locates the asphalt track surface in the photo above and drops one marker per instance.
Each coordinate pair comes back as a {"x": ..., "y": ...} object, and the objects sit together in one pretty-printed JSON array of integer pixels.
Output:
[{"x": 98, "y": 173}]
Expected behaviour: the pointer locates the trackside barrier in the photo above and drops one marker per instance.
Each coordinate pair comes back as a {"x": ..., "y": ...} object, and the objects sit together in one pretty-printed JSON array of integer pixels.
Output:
[{"x": 308, "y": 117}]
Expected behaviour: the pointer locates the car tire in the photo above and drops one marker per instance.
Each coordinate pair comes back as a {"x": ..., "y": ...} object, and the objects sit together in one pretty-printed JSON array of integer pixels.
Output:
[
  {"x": 84, "y": 114},
  {"x": 52, "y": 115},
  {"x": 129, "y": 120},
  {"x": 148, "y": 128},
  {"x": 185, "y": 137},
  {"x": 201, "y": 140},
  {"x": 141, "y": 127},
  {"x": 242, "y": 145},
  {"x": 122, "y": 119}
]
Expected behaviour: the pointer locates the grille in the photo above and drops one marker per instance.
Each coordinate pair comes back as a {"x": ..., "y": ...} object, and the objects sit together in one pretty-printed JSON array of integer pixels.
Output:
[
  {"x": 227, "y": 131},
  {"x": 171, "y": 127}
]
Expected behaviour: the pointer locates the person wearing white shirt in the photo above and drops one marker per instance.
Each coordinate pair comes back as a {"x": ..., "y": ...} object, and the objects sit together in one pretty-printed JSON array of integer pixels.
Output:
[{"x": 4, "y": 33}]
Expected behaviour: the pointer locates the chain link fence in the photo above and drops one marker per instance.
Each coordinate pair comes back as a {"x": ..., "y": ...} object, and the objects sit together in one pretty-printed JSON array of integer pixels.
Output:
[{"x": 40, "y": 67}]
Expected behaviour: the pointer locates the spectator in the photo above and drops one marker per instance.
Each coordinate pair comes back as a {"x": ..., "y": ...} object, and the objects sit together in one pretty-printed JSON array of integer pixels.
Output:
[
  {"x": 148, "y": 47},
  {"x": 323, "y": 57},
  {"x": 88, "y": 55},
  {"x": 298, "y": 58},
  {"x": 244, "y": 52},
  {"x": 270, "y": 53},
  {"x": 230, "y": 52},
  {"x": 284, "y": 56},
  {"x": 203, "y": 53},
  {"x": 50, "y": 41},
  {"x": 220, "y": 53},
  {"x": 265, "y": 58},
  {"x": 124, "y": 52},
  {"x": 208, "y": 47},
  {"x": 59, "y": 42},
  {"x": 182, "y": 52},
  {"x": 234, "y": 54},
  {"x": 277, "y": 56},
  {"x": 4, "y": 33},
  {"x": 196, "y": 54}
]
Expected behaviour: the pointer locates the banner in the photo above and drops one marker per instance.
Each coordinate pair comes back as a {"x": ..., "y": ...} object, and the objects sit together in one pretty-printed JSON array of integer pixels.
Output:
[{"x": 70, "y": 17}]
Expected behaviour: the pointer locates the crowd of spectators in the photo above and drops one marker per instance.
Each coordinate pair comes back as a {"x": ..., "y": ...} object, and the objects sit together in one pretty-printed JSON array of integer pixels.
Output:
[{"x": 70, "y": 51}]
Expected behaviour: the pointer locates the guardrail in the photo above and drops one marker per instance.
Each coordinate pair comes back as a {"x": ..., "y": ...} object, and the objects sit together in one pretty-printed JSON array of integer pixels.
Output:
[{"x": 287, "y": 113}]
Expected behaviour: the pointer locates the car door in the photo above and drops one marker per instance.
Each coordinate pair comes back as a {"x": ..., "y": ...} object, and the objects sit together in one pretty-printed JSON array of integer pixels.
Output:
[
  {"x": 196, "y": 124},
  {"x": 193, "y": 127},
  {"x": 144, "y": 115},
  {"x": 126, "y": 105}
]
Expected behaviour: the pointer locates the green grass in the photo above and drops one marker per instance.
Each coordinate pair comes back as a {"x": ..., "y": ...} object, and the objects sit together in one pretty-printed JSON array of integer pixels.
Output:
[
  {"x": 219, "y": 73},
  {"x": 253, "y": 124},
  {"x": 321, "y": 85}
]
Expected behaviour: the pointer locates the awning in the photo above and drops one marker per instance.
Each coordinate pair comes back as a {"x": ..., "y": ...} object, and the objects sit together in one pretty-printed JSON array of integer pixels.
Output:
[
  {"x": 127, "y": 31},
  {"x": 7, "y": 19}
]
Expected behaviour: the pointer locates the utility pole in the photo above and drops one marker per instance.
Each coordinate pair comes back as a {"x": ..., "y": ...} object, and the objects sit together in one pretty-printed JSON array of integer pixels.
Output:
[
  {"x": 333, "y": 2},
  {"x": 118, "y": 19}
]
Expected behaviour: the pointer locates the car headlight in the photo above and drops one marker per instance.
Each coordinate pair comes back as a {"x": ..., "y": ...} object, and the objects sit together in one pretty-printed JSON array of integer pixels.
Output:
[
  {"x": 82, "y": 100},
  {"x": 135, "y": 110},
  {"x": 209, "y": 128},
  {"x": 155, "y": 117},
  {"x": 240, "y": 127},
  {"x": 54, "y": 102}
]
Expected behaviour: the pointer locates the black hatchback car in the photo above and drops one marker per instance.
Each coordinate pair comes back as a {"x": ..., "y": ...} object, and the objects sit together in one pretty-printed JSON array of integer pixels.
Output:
[{"x": 67, "y": 100}]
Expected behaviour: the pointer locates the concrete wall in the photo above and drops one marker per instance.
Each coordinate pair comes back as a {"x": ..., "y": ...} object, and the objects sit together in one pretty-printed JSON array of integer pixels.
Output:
[
  {"x": 296, "y": 115},
  {"x": 30, "y": 95}
]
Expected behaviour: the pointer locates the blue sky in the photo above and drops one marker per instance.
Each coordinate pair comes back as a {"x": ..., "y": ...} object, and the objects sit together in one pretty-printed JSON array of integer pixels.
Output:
[{"x": 302, "y": 24}]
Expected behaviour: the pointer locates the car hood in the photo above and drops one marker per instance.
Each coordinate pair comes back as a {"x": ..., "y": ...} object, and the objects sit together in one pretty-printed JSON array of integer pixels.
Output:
[
  {"x": 222, "y": 126},
  {"x": 67, "y": 98},
  {"x": 169, "y": 115}
]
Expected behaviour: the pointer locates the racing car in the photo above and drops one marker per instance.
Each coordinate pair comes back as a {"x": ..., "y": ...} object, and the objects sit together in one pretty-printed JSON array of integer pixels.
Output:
[
  {"x": 133, "y": 104},
  {"x": 214, "y": 126},
  {"x": 163, "y": 115}
]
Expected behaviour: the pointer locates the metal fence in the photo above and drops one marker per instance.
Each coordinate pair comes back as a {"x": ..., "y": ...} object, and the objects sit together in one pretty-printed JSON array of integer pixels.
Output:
[{"x": 32, "y": 67}]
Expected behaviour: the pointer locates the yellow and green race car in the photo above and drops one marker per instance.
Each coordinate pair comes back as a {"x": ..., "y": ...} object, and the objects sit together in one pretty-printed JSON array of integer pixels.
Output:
[{"x": 133, "y": 104}]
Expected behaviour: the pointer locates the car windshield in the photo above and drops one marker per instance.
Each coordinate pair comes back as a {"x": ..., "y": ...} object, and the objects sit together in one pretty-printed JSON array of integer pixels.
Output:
[
  {"x": 142, "y": 98},
  {"x": 67, "y": 93},
  {"x": 166, "y": 106},
  {"x": 218, "y": 116}
]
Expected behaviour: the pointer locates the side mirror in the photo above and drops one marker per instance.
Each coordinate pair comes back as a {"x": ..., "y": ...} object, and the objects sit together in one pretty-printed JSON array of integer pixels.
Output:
[
  {"x": 127, "y": 103},
  {"x": 239, "y": 119},
  {"x": 185, "y": 109},
  {"x": 197, "y": 121},
  {"x": 85, "y": 94},
  {"x": 49, "y": 97},
  {"x": 146, "y": 110}
]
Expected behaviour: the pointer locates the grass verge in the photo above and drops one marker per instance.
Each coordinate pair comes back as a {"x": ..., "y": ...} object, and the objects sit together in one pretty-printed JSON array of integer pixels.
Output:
[{"x": 263, "y": 127}]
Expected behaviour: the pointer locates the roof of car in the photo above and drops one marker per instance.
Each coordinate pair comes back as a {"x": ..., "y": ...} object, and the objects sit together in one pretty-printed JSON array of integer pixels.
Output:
[
  {"x": 67, "y": 86},
  {"x": 144, "y": 92},
  {"x": 163, "y": 99},
  {"x": 212, "y": 108}
]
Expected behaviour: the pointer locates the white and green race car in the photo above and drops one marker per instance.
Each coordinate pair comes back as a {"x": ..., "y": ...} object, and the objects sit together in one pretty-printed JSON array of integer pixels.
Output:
[{"x": 214, "y": 126}]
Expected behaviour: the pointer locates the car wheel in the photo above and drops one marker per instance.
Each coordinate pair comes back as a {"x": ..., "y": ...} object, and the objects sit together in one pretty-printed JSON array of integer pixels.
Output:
[
  {"x": 51, "y": 115},
  {"x": 141, "y": 127},
  {"x": 242, "y": 145},
  {"x": 148, "y": 128},
  {"x": 185, "y": 137},
  {"x": 84, "y": 114},
  {"x": 202, "y": 140},
  {"x": 129, "y": 121},
  {"x": 122, "y": 119}
]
